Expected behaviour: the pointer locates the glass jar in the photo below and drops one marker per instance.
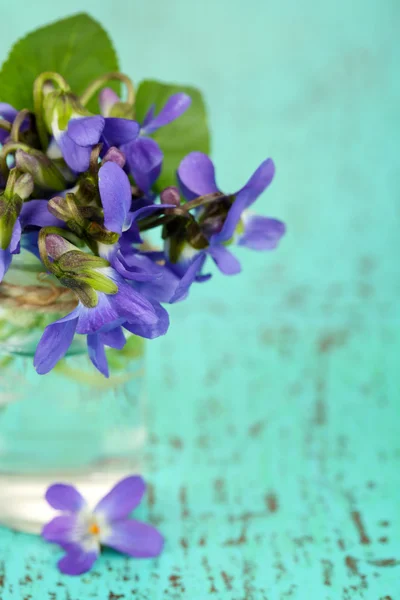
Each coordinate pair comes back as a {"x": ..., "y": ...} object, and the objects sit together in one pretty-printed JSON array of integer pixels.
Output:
[{"x": 72, "y": 425}]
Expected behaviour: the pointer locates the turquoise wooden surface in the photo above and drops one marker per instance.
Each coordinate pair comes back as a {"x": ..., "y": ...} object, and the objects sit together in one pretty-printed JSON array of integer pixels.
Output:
[{"x": 274, "y": 453}]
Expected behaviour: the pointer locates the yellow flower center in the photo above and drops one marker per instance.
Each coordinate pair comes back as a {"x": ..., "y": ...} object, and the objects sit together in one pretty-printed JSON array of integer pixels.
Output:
[{"x": 94, "y": 529}]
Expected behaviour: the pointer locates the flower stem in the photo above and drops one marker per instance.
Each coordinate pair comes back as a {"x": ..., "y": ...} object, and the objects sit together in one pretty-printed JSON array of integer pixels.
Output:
[
  {"x": 100, "y": 82},
  {"x": 16, "y": 126},
  {"x": 5, "y": 125},
  {"x": 94, "y": 159},
  {"x": 181, "y": 210},
  {"x": 152, "y": 222},
  {"x": 202, "y": 200},
  {"x": 6, "y": 150}
]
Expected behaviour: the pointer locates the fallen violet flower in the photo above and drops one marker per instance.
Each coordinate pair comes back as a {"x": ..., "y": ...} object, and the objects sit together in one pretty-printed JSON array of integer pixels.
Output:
[{"x": 81, "y": 531}]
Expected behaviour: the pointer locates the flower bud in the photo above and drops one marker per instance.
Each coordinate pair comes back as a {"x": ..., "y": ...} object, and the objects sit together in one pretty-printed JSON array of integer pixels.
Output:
[
  {"x": 56, "y": 246},
  {"x": 85, "y": 293},
  {"x": 44, "y": 172},
  {"x": 84, "y": 273},
  {"x": 116, "y": 156},
  {"x": 170, "y": 195},
  {"x": 107, "y": 99},
  {"x": 97, "y": 281},
  {"x": 59, "y": 208},
  {"x": 67, "y": 210},
  {"x": 19, "y": 187},
  {"x": 78, "y": 261},
  {"x": 59, "y": 107},
  {"x": 24, "y": 186},
  {"x": 100, "y": 234}
]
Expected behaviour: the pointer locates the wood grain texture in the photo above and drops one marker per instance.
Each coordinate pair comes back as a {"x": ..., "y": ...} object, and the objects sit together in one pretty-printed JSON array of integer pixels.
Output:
[
  {"x": 274, "y": 454},
  {"x": 282, "y": 483}
]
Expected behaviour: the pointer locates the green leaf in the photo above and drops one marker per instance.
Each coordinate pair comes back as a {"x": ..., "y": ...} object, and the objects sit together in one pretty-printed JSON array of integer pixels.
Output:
[
  {"x": 77, "y": 47},
  {"x": 186, "y": 134}
]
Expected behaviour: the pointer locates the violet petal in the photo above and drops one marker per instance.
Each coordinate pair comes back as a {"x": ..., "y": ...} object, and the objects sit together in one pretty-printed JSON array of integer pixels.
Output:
[
  {"x": 5, "y": 262},
  {"x": 35, "y": 212},
  {"x": 114, "y": 338},
  {"x": 15, "y": 237},
  {"x": 7, "y": 112},
  {"x": 116, "y": 196},
  {"x": 257, "y": 183},
  {"x": 54, "y": 343},
  {"x": 225, "y": 261},
  {"x": 261, "y": 233},
  {"x": 133, "y": 306},
  {"x": 62, "y": 496},
  {"x": 97, "y": 353},
  {"x": 151, "y": 330},
  {"x": 144, "y": 158},
  {"x": 122, "y": 499},
  {"x": 77, "y": 157},
  {"x": 149, "y": 116},
  {"x": 77, "y": 561},
  {"x": 91, "y": 320},
  {"x": 86, "y": 131},
  {"x": 196, "y": 175},
  {"x": 107, "y": 99},
  {"x": 120, "y": 131},
  {"x": 60, "y": 529},
  {"x": 189, "y": 277},
  {"x": 175, "y": 106},
  {"x": 135, "y": 538}
]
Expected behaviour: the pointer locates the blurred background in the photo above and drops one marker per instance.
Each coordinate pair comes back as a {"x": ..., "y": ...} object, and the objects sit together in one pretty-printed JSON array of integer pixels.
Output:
[{"x": 285, "y": 378}]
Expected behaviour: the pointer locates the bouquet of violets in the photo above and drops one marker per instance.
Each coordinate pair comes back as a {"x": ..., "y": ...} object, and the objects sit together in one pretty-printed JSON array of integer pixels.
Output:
[{"x": 87, "y": 168}]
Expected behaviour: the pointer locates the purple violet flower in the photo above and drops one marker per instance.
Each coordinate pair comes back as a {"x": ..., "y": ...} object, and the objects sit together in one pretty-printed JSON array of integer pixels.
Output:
[
  {"x": 111, "y": 131},
  {"x": 122, "y": 306},
  {"x": 81, "y": 532},
  {"x": 156, "y": 281},
  {"x": 143, "y": 155},
  {"x": 116, "y": 199},
  {"x": 62, "y": 145},
  {"x": 76, "y": 142},
  {"x": 196, "y": 175}
]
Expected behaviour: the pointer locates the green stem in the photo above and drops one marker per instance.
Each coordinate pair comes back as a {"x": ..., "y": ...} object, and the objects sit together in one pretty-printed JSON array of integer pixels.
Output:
[
  {"x": 92, "y": 245},
  {"x": 202, "y": 200},
  {"x": 94, "y": 159},
  {"x": 181, "y": 210},
  {"x": 5, "y": 125},
  {"x": 152, "y": 222},
  {"x": 100, "y": 82},
  {"x": 16, "y": 126},
  {"x": 6, "y": 150}
]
